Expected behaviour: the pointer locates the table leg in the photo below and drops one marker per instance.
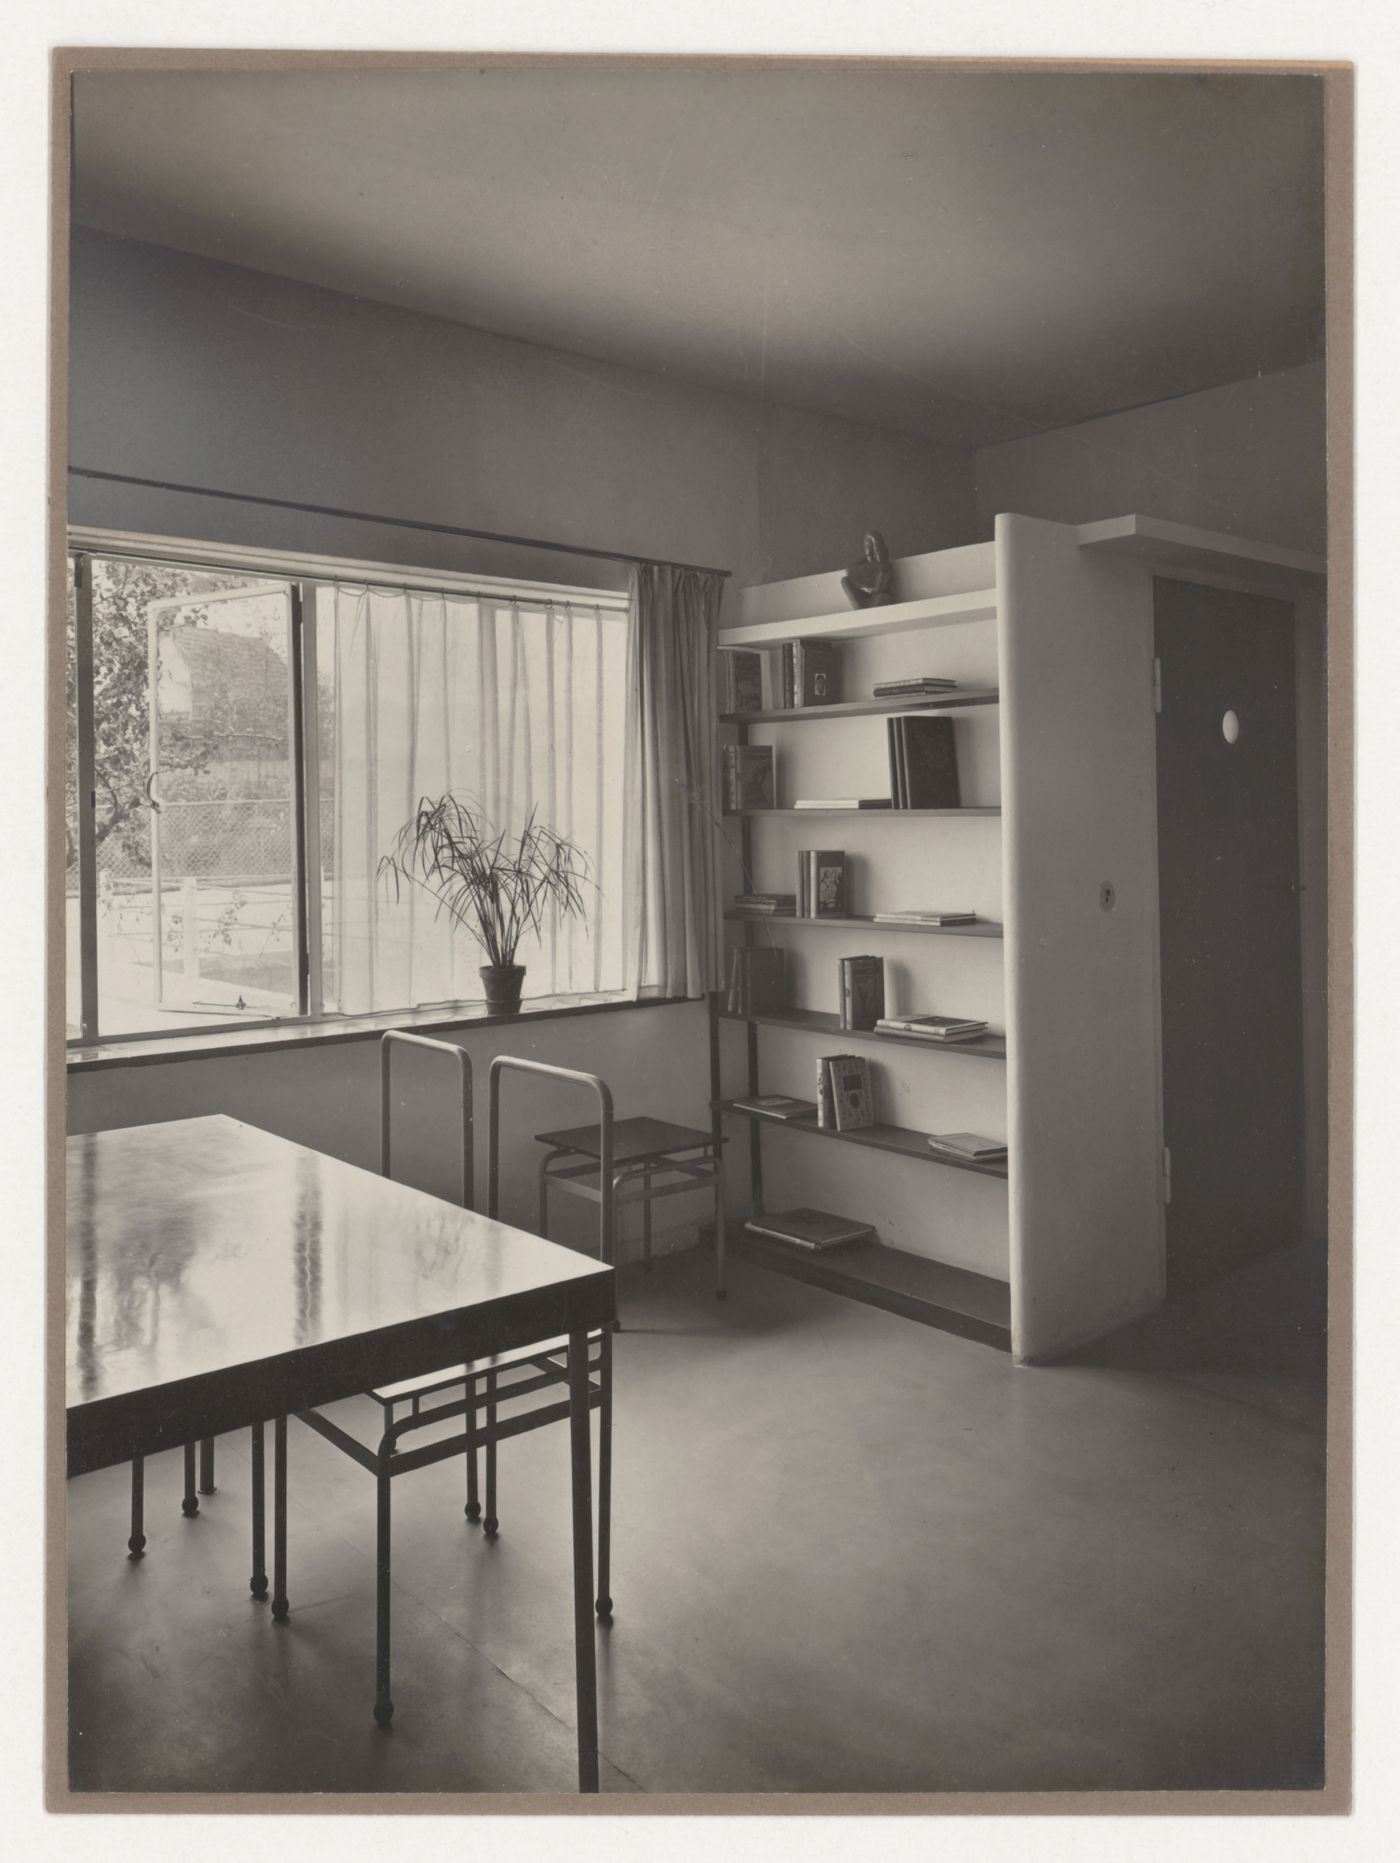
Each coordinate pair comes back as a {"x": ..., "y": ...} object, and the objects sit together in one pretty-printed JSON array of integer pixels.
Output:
[
  {"x": 189, "y": 1507},
  {"x": 490, "y": 1525},
  {"x": 257, "y": 1584},
  {"x": 136, "y": 1545},
  {"x": 646, "y": 1220},
  {"x": 473, "y": 1508},
  {"x": 383, "y": 1703},
  {"x": 585, "y": 1669},
  {"x": 206, "y": 1465},
  {"x": 280, "y": 1607},
  {"x": 721, "y": 1291},
  {"x": 542, "y": 1225},
  {"x": 605, "y": 1422}
]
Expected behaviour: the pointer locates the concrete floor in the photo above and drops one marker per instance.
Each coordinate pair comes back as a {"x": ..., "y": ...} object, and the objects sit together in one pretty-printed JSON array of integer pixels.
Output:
[{"x": 852, "y": 1554}]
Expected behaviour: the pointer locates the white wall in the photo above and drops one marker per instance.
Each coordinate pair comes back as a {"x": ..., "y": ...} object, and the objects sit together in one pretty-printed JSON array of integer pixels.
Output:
[
  {"x": 1249, "y": 458},
  {"x": 191, "y": 371}
]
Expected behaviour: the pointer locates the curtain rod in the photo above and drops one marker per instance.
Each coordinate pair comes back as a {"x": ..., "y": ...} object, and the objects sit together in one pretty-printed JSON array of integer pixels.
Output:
[{"x": 372, "y": 517}]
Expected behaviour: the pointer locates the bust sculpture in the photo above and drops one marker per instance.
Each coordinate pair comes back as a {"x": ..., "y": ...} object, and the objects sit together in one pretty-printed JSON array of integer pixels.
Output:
[{"x": 869, "y": 583}]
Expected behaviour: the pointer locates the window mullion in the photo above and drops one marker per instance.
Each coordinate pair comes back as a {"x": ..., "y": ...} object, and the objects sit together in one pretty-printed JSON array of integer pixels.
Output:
[
  {"x": 87, "y": 797},
  {"x": 307, "y": 777}
]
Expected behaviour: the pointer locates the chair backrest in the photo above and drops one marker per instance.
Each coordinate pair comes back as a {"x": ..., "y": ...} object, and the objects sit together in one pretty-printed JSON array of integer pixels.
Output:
[
  {"x": 603, "y": 1093},
  {"x": 403, "y": 1038}
]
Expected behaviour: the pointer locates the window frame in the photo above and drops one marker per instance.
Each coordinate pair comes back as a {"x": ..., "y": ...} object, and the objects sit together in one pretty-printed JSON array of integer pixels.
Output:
[{"x": 302, "y": 574}]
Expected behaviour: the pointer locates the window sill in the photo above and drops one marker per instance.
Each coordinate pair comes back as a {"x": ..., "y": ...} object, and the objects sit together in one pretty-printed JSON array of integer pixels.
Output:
[{"x": 272, "y": 1037}]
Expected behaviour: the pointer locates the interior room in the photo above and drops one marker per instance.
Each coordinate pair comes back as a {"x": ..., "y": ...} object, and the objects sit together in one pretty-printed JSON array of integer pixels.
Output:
[{"x": 503, "y": 499}]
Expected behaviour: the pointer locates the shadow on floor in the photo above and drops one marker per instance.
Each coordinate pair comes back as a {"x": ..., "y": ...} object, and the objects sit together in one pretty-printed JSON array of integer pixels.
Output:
[{"x": 1258, "y": 1336}]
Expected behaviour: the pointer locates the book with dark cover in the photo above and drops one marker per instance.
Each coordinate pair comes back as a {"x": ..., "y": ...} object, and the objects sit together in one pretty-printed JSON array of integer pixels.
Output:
[
  {"x": 898, "y": 794},
  {"x": 749, "y": 777},
  {"x": 828, "y": 884},
  {"x": 913, "y": 688},
  {"x": 826, "y": 1105},
  {"x": 776, "y": 1106},
  {"x": 842, "y": 802},
  {"x": 852, "y": 1095},
  {"x": 862, "y": 991},
  {"x": 968, "y": 1145},
  {"x": 818, "y": 673},
  {"x": 761, "y": 980},
  {"x": 741, "y": 677},
  {"x": 811, "y": 1230},
  {"x": 930, "y": 763}
]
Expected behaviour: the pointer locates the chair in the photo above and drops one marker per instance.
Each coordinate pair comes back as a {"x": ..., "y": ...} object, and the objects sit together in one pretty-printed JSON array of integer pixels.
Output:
[{"x": 483, "y": 1385}]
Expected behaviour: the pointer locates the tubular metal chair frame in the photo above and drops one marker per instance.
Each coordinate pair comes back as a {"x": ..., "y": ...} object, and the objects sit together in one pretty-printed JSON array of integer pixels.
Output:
[{"x": 483, "y": 1388}]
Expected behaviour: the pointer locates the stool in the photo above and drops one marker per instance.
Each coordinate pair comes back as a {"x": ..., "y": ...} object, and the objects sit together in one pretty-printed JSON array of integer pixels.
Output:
[{"x": 665, "y": 1160}]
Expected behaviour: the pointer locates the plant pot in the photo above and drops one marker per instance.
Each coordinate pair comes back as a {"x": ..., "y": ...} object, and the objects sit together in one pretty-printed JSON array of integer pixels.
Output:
[{"x": 502, "y": 983}]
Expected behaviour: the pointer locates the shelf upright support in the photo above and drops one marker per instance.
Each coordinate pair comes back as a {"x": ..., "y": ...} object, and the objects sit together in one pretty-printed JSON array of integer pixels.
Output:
[{"x": 751, "y": 1027}]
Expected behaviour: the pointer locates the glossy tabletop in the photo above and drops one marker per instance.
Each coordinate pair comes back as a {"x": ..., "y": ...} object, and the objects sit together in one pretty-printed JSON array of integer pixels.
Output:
[{"x": 219, "y": 1276}]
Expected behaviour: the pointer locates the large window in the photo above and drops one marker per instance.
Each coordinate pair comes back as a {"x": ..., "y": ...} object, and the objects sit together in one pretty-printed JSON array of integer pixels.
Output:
[{"x": 258, "y": 733}]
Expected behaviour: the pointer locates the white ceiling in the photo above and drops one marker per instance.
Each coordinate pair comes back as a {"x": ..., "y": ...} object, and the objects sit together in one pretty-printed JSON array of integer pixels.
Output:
[{"x": 962, "y": 255}]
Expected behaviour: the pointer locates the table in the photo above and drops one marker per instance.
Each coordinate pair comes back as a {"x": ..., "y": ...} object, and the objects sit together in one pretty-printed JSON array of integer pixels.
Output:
[{"x": 218, "y": 1277}]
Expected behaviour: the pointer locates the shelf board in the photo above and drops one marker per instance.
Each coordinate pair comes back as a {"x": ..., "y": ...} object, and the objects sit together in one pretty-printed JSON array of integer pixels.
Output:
[
  {"x": 1184, "y": 547},
  {"x": 981, "y": 928},
  {"x": 879, "y": 815},
  {"x": 825, "y": 1022},
  {"x": 861, "y": 623},
  {"x": 875, "y": 1138},
  {"x": 955, "y": 1300},
  {"x": 865, "y": 708}
]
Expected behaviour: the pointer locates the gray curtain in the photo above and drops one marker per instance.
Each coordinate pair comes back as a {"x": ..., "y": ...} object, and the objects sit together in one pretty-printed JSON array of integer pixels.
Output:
[{"x": 671, "y": 762}]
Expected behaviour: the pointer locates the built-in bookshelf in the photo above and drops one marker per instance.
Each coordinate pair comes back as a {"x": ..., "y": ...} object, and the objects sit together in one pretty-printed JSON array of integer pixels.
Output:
[
  {"x": 1048, "y": 630},
  {"x": 942, "y": 1294}
]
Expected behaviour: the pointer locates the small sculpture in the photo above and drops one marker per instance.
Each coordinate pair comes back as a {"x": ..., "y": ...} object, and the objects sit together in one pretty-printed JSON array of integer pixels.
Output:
[{"x": 869, "y": 583}]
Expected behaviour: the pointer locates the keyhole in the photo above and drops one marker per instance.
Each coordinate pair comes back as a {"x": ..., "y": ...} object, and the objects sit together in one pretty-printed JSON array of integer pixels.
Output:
[{"x": 1108, "y": 899}]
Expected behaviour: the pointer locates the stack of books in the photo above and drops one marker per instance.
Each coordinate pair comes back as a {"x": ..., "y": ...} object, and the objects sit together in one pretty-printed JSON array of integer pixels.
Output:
[
  {"x": 925, "y": 917},
  {"x": 811, "y": 673},
  {"x": 933, "y": 1028},
  {"x": 764, "y": 905},
  {"x": 845, "y": 1096},
  {"x": 923, "y": 762},
  {"x": 862, "y": 992},
  {"x": 970, "y": 1146},
  {"x": 749, "y": 781},
  {"x": 776, "y": 1106},
  {"x": 740, "y": 680},
  {"x": 843, "y": 802},
  {"x": 812, "y": 1231},
  {"x": 924, "y": 686},
  {"x": 755, "y": 981},
  {"x": 821, "y": 883}
]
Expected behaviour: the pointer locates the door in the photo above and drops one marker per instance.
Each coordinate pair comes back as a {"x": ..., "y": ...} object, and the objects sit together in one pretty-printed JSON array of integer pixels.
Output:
[{"x": 1227, "y": 856}]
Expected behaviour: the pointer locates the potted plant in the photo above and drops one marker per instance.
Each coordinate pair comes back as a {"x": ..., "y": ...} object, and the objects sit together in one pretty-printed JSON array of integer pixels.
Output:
[{"x": 494, "y": 885}]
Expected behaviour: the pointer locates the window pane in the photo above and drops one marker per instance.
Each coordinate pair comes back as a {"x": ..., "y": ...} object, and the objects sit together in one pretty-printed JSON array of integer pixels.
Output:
[
  {"x": 196, "y": 903},
  {"x": 513, "y": 707}
]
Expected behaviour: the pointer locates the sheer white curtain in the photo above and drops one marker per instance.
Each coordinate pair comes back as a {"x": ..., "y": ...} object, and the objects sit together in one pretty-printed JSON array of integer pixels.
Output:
[{"x": 516, "y": 703}]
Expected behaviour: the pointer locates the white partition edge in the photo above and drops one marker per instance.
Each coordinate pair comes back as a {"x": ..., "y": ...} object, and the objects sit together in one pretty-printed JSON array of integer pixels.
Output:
[{"x": 1083, "y": 997}]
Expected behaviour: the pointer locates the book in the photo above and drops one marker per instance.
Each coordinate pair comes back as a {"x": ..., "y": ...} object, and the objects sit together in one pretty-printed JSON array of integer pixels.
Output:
[
  {"x": 853, "y": 1100},
  {"x": 896, "y": 754},
  {"x": 928, "y": 762},
  {"x": 913, "y": 688},
  {"x": 862, "y": 991},
  {"x": 776, "y": 1106},
  {"x": 925, "y": 918},
  {"x": 932, "y": 1028},
  {"x": 756, "y": 980},
  {"x": 826, "y": 1105},
  {"x": 827, "y": 884},
  {"x": 812, "y": 1230},
  {"x": 970, "y": 1145},
  {"x": 741, "y": 680},
  {"x": 749, "y": 781},
  {"x": 817, "y": 673},
  {"x": 845, "y": 802}
]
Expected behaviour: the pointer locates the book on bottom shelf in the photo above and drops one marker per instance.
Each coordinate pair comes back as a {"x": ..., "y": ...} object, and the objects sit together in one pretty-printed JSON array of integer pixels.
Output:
[
  {"x": 813, "y": 1231},
  {"x": 971, "y": 1146}
]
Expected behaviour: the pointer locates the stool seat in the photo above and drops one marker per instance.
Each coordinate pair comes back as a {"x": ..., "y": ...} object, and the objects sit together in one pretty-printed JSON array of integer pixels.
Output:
[
  {"x": 633, "y": 1139},
  {"x": 430, "y": 1382}
]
